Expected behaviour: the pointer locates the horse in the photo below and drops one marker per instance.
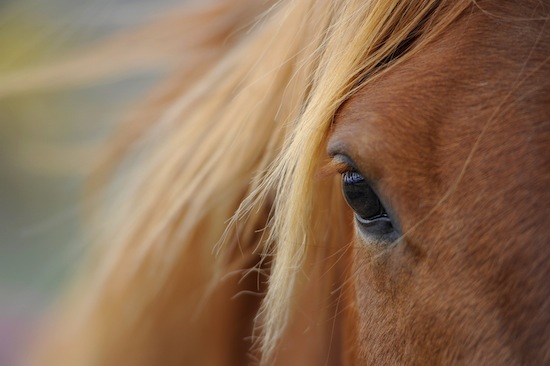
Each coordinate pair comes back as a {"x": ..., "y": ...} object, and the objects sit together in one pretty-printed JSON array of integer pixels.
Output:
[{"x": 347, "y": 183}]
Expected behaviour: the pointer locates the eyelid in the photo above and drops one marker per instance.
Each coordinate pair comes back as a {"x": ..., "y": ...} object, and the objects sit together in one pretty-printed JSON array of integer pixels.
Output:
[
  {"x": 337, "y": 165},
  {"x": 343, "y": 163}
]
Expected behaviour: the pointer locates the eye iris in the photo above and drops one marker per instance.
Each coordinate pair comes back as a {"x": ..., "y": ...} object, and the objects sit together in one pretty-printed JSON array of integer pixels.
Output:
[{"x": 360, "y": 196}]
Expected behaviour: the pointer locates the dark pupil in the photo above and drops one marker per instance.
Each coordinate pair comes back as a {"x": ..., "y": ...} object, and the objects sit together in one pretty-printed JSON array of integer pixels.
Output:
[{"x": 360, "y": 196}]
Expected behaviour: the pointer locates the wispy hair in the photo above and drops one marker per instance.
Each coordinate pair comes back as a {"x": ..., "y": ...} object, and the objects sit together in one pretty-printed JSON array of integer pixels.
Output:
[{"x": 238, "y": 140}]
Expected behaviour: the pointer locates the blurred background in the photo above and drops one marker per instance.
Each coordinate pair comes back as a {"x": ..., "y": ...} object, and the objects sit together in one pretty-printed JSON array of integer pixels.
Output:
[{"x": 48, "y": 140}]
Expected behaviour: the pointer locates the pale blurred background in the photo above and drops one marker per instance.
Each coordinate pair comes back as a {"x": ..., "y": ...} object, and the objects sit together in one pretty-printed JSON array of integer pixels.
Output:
[{"x": 47, "y": 144}]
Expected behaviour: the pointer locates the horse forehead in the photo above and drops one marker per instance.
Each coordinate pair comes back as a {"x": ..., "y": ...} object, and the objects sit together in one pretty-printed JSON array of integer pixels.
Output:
[
  {"x": 402, "y": 106},
  {"x": 482, "y": 48},
  {"x": 424, "y": 78},
  {"x": 460, "y": 76}
]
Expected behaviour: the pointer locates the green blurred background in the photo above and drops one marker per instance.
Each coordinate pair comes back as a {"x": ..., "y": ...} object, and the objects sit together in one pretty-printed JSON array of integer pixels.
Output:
[{"x": 48, "y": 140}]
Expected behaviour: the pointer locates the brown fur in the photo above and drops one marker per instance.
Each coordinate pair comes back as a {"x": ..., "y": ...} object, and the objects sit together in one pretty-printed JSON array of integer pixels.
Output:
[{"x": 456, "y": 138}]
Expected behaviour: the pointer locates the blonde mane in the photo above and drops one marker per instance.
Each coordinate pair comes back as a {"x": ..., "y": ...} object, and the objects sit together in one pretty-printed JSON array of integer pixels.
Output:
[{"x": 241, "y": 139}]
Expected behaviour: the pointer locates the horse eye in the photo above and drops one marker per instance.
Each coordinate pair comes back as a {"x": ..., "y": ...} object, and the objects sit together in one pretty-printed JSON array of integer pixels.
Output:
[{"x": 361, "y": 197}]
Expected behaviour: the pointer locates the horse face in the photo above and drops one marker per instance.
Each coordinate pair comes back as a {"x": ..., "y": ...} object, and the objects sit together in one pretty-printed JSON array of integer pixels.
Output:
[{"x": 450, "y": 147}]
